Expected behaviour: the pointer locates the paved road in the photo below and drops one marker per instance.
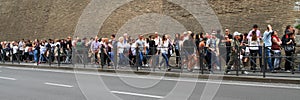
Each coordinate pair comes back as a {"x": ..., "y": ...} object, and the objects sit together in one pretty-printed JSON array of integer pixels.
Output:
[{"x": 41, "y": 84}]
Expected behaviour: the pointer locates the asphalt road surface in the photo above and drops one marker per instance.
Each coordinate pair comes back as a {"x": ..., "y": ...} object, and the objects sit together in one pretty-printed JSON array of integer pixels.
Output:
[{"x": 43, "y": 84}]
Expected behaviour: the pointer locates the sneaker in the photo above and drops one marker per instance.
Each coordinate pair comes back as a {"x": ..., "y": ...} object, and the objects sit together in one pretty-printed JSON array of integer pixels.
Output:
[
  {"x": 227, "y": 72},
  {"x": 190, "y": 70},
  {"x": 218, "y": 68},
  {"x": 245, "y": 72},
  {"x": 169, "y": 69},
  {"x": 288, "y": 71},
  {"x": 211, "y": 72}
]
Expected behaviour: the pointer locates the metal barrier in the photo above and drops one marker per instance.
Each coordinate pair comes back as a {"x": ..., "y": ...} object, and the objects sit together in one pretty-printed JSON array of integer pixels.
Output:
[{"x": 82, "y": 56}]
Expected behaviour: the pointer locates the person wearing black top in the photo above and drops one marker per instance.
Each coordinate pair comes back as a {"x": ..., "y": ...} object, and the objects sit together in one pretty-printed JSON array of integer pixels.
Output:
[
  {"x": 68, "y": 50},
  {"x": 289, "y": 41},
  {"x": 227, "y": 40}
]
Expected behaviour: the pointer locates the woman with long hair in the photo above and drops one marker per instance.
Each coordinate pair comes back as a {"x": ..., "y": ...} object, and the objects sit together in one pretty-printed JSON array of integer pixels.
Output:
[
  {"x": 276, "y": 44},
  {"x": 289, "y": 41},
  {"x": 254, "y": 44},
  {"x": 164, "y": 50}
]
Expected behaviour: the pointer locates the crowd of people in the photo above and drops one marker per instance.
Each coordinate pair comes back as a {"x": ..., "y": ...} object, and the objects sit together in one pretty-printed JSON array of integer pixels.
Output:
[{"x": 187, "y": 48}]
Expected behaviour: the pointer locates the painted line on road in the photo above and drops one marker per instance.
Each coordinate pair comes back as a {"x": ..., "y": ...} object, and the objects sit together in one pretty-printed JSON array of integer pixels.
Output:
[
  {"x": 166, "y": 79},
  {"x": 137, "y": 94},
  {"x": 7, "y": 78},
  {"x": 59, "y": 85}
]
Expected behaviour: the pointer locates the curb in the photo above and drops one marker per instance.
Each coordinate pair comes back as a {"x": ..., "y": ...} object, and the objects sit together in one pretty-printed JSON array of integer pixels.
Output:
[{"x": 172, "y": 74}]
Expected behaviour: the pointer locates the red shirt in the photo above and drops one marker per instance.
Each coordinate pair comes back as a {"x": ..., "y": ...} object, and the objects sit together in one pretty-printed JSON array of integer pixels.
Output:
[{"x": 275, "y": 46}]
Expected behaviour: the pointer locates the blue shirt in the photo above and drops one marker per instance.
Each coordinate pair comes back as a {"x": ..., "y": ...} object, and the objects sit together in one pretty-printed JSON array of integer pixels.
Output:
[{"x": 267, "y": 39}]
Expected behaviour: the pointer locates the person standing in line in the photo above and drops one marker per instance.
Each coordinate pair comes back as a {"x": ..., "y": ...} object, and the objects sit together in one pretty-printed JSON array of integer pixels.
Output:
[
  {"x": 164, "y": 47},
  {"x": 121, "y": 47},
  {"x": 267, "y": 38},
  {"x": 289, "y": 42},
  {"x": 213, "y": 52},
  {"x": 254, "y": 44},
  {"x": 36, "y": 47},
  {"x": 95, "y": 46},
  {"x": 141, "y": 50},
  {"x": 15, "y": 49},
  {"x": 132, "y": 52},
  {"x": 114, "y": 45},
  {"x": 235, "y": 43},
  {"x": 227, "y": 40},
  {"x": 157, "y": 40},
  {"x": 21, "y": 45},
  {"x": 276, "y": 47},
  {"x": 152, "y": 50},
  {"x": 259, "y": 37},
  {"x": 176, "y": 44}
]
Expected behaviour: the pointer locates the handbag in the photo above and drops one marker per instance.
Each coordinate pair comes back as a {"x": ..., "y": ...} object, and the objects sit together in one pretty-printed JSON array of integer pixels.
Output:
[{"x": 289, "y": 48}]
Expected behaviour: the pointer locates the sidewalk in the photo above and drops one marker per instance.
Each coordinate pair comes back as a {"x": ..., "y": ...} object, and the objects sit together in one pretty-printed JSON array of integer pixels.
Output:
[{"x": 286, "y": 78}]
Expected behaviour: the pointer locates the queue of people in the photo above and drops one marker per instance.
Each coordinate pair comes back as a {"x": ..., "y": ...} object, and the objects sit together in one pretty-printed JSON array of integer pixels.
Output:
[{"x": 187, "y": 48}]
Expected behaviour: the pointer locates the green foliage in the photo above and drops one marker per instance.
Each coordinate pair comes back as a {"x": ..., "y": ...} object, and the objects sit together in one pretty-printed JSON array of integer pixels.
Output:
[{"x": 298, "y": 27}]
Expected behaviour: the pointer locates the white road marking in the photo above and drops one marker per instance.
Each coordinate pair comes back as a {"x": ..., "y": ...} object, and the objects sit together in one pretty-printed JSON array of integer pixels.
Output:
[
  {"x": 166, "y": 79},
  {"x": 8, "y": 78},
  {"x": 59, "y": 85},
  {"x": 137, "y": 94}
]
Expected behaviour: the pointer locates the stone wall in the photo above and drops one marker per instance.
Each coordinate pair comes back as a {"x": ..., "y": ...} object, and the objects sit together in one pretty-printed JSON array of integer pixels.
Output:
[
  {"x": 41, "y": 19},
  {"x": 45, "y": 19}
]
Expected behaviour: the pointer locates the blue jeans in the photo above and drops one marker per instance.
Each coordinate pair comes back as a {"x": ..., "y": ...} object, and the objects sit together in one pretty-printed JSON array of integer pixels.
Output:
[
  {"x": 111, "y": 56},
  {"x": 141, "y": 57},
  {"x": 277, "y": 60},
  {"x": 269, "y": 59},
  {"x": 166, "y": 58},
  {"x": 122, "y": 59},
  {"x": 35, "y": 55}
]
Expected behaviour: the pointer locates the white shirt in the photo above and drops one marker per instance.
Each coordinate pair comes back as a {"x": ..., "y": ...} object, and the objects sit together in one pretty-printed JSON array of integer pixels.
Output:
[
  {"x": 15, "y": 49},
  {"x": 43, "y": 49},
  {"x": 253, "y": 43},
  {"x": 133, "y": 49},
  {"x": 164, "y": 47},
  {"x": 121, "y": 47}
]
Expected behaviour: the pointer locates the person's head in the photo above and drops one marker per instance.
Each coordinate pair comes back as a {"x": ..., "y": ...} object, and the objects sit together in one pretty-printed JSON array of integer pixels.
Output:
[
  {"x": 227, "y": 31},
  {"x": 269, "y": 27},
  {"x": 121, "y": 39},
  {"x": 125, "y": 35},
  {"x": 213, "y": 34},
  {"x": 164, "y": 37},
  {"x": 290, "y": 28},
  {"x": 237, "y": 35},
  {"x": 141, "y": 37},
  {"x": 275, "y": 33},
  {"x": 69, "y": 38},
  {"x": 191, "y": 35},
  {"x": 96, "y": 38},
  {"x": 113, "y": 36},
  {"x": 185, "y": 34},
  {"x": 78, "y": 40},
  {"x": 202, "y": 35},
  {"x": 177, "y": 35},
  {"x": 156, "y": 34},
  {"x": 255, "y": 27},
  {"x": 198, "y": 36}
]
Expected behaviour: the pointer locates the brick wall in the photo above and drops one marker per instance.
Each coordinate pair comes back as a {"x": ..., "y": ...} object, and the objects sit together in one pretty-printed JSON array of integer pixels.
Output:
[{"x": 45, "y": 19}]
